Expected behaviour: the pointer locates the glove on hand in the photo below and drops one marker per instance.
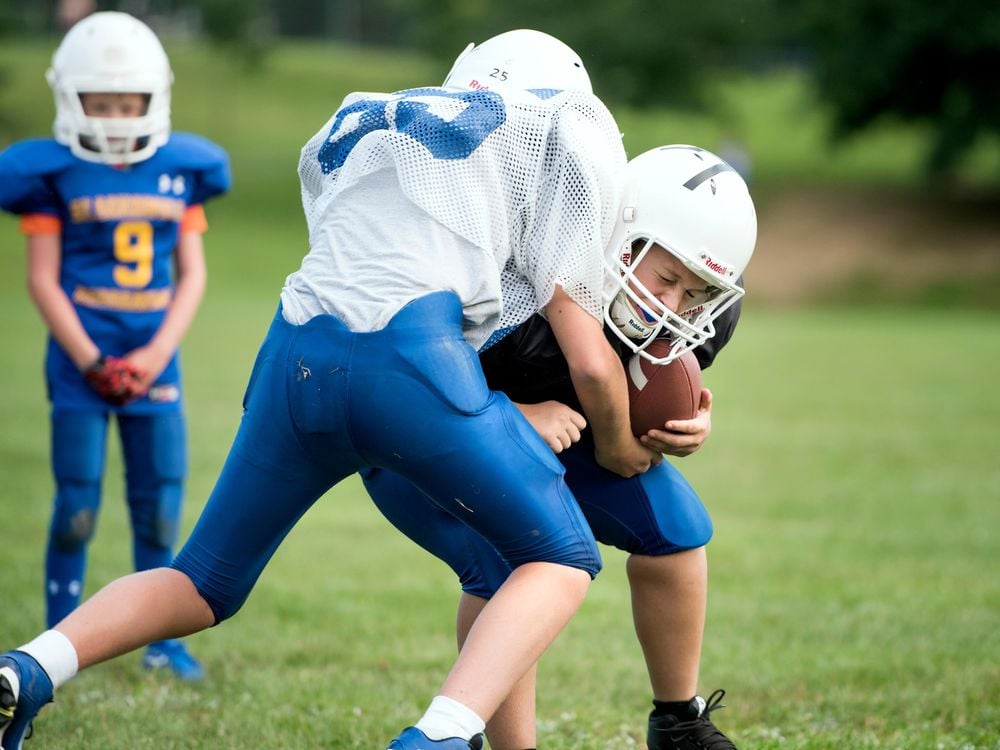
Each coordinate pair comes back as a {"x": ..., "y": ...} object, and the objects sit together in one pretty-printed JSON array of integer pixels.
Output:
[{"x": 115, "y": 379}]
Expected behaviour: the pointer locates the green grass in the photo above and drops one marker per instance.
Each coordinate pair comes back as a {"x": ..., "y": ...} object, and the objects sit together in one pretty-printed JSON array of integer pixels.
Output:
[{"x": 852, "y": 478}]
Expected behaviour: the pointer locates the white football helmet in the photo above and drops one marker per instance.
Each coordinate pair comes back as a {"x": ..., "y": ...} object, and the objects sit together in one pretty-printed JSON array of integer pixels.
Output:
[
  {"x": 111, "y": 52},
  {"x": 521, "y": 59},
  {"x": 693, "y": 204}
]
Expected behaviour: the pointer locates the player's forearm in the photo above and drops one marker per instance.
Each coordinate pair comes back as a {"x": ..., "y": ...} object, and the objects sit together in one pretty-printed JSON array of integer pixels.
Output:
[
  {"x": 600, "y": 385},
  {"x": 63, "y": 323},
  {"x": 188, "y": 293},
  {"x": 44, "y": 260},
  {"x": 184, "y": 305},
  {"x": 597, "y": 373}
]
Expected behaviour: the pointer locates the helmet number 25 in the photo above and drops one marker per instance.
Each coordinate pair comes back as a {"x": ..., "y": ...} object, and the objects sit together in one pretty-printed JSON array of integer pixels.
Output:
[{"x": 133, "y": 241}]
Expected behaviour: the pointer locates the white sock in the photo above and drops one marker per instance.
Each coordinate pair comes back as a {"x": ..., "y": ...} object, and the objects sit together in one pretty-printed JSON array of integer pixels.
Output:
[
  {"x": 448, "y": 718},
  {"x": 55, "y": 654}
]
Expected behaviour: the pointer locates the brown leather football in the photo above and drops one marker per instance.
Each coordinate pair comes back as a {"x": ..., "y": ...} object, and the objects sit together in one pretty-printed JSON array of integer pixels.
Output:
[{"x": 660, "y": 393}]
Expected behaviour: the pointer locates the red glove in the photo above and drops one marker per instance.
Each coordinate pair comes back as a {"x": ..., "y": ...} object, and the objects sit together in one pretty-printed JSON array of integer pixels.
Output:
[{"x": 115, "y": 379}]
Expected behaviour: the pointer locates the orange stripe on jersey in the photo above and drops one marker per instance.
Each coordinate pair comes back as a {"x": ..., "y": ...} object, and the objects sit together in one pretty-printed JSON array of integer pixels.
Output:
[
  {"x": 194, "y": 220},
  {"x": 41, "y": 224}
]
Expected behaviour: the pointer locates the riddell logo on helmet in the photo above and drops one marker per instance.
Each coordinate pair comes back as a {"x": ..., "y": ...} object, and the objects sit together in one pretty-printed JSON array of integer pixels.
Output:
[
  {"x": 476, "y": 85},
  {"x": 693, "y": 313},
  {"x": 717, "y": 267}
]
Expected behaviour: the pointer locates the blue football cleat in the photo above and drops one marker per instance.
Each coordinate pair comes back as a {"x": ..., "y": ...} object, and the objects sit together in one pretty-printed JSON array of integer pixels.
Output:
[
  {"x": 24, "y": 689},
  {"x": 413, "y": 739},
  {"x": 173, "y": 654}
]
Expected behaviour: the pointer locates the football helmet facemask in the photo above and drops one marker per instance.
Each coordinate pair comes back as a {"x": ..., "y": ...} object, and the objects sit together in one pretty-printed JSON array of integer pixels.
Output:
[
  {"x": 522, "y": 59},
  {"x": 696, "y": 206},
  {"x": 111, "y": 52}
]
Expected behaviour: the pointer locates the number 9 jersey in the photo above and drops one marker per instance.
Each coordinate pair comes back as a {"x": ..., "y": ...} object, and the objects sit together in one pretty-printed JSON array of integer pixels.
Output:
[{"x": 118, "y": 227}]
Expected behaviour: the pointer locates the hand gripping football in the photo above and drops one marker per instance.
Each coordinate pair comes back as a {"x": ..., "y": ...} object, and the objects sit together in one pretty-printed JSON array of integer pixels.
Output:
[{"x": 660, "y": 393}]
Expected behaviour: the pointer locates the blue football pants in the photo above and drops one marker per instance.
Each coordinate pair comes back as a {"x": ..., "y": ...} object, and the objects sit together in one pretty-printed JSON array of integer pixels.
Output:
[
  {"x": 154, "y": 452},
  {"x": 324, "y": 402},
  {"x": 655, "y": 513}
]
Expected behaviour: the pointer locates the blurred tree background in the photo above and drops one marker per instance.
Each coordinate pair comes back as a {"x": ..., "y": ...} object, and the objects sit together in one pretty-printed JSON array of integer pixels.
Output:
[
  {"x": 870, "y": 129},
  {"x": 916, "y": 61}
]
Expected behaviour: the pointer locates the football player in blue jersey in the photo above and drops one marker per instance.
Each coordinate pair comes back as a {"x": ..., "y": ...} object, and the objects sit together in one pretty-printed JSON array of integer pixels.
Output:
[
  {"x": 687, "y": 226},
  {"x": 436, "y": 216},
  {"x": 112, "y": 211}
]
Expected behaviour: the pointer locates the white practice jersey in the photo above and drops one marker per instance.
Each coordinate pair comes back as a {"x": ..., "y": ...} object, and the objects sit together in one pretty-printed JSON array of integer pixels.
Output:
[{"x": 498, "y": 198}]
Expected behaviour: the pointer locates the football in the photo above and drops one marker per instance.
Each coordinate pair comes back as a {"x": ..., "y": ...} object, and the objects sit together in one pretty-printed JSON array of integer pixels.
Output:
[{"x": 660, "y": 393}]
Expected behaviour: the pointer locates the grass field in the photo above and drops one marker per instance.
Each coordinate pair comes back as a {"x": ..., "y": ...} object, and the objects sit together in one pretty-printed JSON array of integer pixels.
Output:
[{"x": 852, "y": 476}]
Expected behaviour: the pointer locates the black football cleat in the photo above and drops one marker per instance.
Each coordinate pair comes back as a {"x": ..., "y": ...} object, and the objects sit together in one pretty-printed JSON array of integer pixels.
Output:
[{"x": 694, "y": 732}]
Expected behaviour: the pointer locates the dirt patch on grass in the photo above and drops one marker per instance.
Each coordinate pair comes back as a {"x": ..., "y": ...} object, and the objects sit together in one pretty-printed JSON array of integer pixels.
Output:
[{"x": 865, "y": 246}]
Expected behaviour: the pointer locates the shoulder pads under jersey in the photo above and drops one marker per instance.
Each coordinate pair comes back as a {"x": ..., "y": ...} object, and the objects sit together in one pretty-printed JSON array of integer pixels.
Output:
[
  {"x": 207, "y": 159},
  {"x": 23, "y": 169}
]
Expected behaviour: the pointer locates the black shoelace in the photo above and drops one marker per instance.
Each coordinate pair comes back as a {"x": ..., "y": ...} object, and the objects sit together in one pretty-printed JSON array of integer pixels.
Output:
[{"x": 702, "y": 730}]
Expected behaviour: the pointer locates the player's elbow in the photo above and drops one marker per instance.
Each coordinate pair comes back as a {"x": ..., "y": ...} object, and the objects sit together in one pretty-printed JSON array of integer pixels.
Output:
[
  {"x": 192, "y": 279},
  {"x": 593, "y": 368},
  {"x": 41, "y": 289}
]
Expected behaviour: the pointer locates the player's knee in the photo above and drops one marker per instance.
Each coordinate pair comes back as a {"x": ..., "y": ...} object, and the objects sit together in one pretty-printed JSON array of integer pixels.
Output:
[
  {"x": 74, "y": 532},
  {"x": 157, "y": 531},
  {"x": 582, "y": 555},
  {"x": 156, "y": 514},
  {"x": 483, "y": 577},
  {"x": 680, "y": 519},
  {"x": 686, "y": 531},
  {"x": 224, "y": 604},
  {"x": 75, "y": 516},
  {"x": 224, "y": 594}
]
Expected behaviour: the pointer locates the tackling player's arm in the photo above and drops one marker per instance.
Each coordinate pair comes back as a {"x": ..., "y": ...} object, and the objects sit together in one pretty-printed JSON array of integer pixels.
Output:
[
  {"x": 189, "y": 259},
  {"x": 558, "y": 424},
  {"x": 599, "y": 381},
  {"x": 44, "y": 260}
]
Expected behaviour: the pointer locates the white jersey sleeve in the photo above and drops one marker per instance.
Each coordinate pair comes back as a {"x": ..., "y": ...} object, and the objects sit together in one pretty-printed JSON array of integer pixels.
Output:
[{"x": 573, "y": 215}]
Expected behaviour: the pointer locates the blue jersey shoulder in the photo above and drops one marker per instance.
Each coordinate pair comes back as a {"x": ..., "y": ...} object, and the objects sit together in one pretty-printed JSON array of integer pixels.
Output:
[
  {"x": 209, "y": 160},
  {"x": 23, "y": 169},
  {"x": 35, "y": 156},
  {"x": 195, "y": 151},
  {"x": 27, "y": 166}
]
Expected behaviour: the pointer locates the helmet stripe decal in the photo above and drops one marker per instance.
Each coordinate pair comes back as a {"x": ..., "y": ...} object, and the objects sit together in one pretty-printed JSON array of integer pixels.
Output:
[{"x": 707, "y": 173}]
